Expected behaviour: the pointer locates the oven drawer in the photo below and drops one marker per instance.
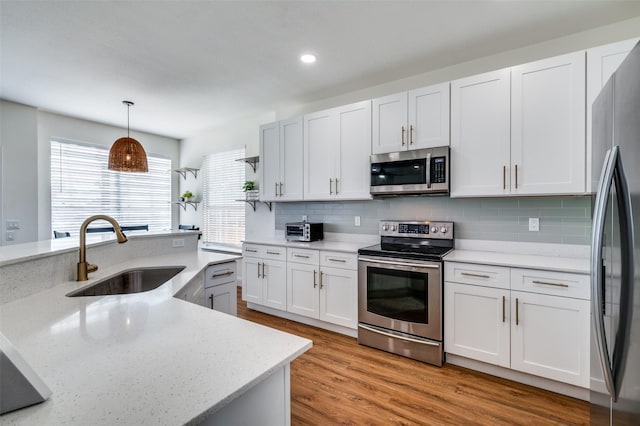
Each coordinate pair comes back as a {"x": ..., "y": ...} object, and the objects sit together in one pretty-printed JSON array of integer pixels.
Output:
[
  {"x": 339, "y": 260},
  {"x": 551, "y": 283},
  {"x": 307, "y": 256},
  {"x": 470, "y": 273}
]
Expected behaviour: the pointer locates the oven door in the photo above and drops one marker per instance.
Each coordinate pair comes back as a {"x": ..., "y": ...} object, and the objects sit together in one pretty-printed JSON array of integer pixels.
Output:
[{"x": 401, "y": 295}]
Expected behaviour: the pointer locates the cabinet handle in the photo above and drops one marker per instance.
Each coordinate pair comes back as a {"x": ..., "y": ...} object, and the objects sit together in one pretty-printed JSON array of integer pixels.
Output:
[
  {"x": 211, "y": 298},
  {"x": 503, "y": 302},
  {"x": 273, "y": 252},
  {"x": 548, "y": 283},
  {"x": 411, "y": 135},
  {"x": 336, "y": 260},
  {"x": 258, "y": 269},
  {"x": 281, "y": 189},
  {"x": 336, "y": 186},
  {"x": 330, "y": 187},
  {"x": 276, "y": 183},
  {"x": 251, "y": 250},
  {"x": 402, "y": 138},
  {"x": 517, "y": 312},
  {"x": 321, "y": 285},
  {"x": 224, "y": 274},
  {"x": 263, "y": 274},
  {"x": 304, "y": 256},
  {"x": 504, "y": 177},
  {"x": 516, "y": 176},
  {"x": 469, "y": 274},
  {"x": 314, "y": 278}
]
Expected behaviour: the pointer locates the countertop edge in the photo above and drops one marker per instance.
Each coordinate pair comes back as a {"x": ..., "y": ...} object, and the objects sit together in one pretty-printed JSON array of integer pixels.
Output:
[{"x": 526, "y": 261}]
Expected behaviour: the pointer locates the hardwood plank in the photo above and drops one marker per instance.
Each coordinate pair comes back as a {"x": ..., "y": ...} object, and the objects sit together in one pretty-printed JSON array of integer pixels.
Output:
[{"x": 341, "y": 382}]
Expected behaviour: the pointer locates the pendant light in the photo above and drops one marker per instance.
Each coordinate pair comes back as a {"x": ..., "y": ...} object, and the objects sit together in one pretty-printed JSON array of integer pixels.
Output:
[{"x": 127, "y": 154}]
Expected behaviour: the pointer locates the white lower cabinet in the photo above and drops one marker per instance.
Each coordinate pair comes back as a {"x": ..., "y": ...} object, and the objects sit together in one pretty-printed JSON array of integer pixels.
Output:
[
  {"x": 220, "y": 288},
  {"x": 264, "y": 276},
  {"x": 339, "y": 296},
  {"x": 542, "y": 331}
]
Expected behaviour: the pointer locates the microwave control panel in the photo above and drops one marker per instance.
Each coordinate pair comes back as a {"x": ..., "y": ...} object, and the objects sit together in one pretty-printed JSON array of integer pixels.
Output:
[{"x": 439, "y": 170}]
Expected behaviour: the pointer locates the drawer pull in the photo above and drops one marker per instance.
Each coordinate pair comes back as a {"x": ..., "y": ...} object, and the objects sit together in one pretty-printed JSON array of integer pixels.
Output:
[
  {"x": 211, "y": 298},
  {"x": 251, "y": 250},
  {"x": 224, "y": 274},
  {"x": 304, "y": 256},
  {"x": 517, "y": 313},
  {"x": 548, "y": 283},
  {"x": 469, "y": 274},
  {"x": 273, "y": 252},
  {"x": 503, "y": 311},
  {"x": 337, "y": 260}
]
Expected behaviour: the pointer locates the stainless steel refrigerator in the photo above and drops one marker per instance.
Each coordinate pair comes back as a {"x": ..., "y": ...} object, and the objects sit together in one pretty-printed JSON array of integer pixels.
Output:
[{"x": 615, "y": 249}]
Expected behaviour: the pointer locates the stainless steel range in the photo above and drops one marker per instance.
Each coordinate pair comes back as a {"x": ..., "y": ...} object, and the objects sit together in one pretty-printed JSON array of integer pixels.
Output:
[{"x": 400, "y": 287}]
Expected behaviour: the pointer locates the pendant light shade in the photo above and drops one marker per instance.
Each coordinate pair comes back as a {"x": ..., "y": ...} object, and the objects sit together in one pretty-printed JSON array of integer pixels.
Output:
[{"x": 127, "y": 154}]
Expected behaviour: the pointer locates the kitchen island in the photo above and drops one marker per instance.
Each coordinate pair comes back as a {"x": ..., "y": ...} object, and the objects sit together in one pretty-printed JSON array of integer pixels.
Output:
[{"x": 148, "y": 358}]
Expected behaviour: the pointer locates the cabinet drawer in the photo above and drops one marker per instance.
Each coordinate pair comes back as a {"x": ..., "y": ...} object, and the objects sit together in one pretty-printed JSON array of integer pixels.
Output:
[
  {"x": 307, "y": 256},
  {"x": 253, "y": 250},
  {"x": 275, "y": 252},
  {"x": 221, "y": 273},
  {"x": 469, "y": 273},
  {"x": 551, "y": 283},
  {"x": 339, "y": 260}
]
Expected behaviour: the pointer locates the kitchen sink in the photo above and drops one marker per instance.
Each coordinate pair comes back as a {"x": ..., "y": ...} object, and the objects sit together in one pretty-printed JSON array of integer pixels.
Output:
[{"x": 130, "y": 281}]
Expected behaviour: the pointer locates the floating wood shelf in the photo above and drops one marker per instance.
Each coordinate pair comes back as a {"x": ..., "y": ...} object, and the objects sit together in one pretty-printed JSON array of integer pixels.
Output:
[
  {"x": 184, "y": 170},
  {"x": 253, "y": 203},
  {"x": 252, "y": 161}
]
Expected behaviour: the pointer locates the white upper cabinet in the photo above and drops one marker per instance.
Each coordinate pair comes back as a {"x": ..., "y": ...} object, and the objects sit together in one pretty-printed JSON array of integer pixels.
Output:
[
  {"x": 602, "y": 61},
  {"x": 337, "y": 147},
  {"x": 281, "y": 157},
  {"x": 411, "y": 120},
  {"x": 480, "y": 150},
  {"x": 548, "y": 126},
  {"x": 520, "y": 131}
]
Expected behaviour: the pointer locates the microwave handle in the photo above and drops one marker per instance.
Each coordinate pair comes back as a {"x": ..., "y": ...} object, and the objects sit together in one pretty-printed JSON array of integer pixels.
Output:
[{"x": 428, "y": 170}]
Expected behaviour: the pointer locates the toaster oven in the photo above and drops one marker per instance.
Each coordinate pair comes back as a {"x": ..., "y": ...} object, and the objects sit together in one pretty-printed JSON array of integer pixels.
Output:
[{"x": 303, "y": 231}]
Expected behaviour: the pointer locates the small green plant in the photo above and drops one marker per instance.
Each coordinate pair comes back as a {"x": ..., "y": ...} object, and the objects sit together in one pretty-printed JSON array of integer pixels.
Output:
[
  {"x": 249, "y": 186},
  {"x": 187, "y": 194}
]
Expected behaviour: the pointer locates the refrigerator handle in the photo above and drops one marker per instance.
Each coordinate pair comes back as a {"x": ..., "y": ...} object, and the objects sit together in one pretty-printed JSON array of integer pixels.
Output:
[
  {"x": 622, "y": 336},
  {"x": 597, "y": 277}
]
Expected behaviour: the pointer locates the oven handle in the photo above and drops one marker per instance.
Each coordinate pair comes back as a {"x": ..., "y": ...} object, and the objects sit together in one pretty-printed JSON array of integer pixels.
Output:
[
  {"x": 394, "y": 336},
  {"x": 389, "y": 262}
]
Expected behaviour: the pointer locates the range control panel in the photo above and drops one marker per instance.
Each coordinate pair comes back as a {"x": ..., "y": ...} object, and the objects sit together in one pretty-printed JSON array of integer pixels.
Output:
[{"x": 416, "y": 229}]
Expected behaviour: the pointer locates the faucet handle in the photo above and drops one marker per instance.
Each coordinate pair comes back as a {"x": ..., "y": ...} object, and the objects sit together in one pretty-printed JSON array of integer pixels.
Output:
[{"x": 91, "y": 267}]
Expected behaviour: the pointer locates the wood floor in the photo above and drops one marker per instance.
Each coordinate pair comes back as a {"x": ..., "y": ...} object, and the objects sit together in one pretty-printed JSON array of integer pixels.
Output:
[{"x": 339, "y": 382}]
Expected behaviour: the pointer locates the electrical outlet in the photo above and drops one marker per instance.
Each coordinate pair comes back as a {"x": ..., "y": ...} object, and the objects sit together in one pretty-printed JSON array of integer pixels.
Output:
[
  {"x": 10, "y": 236},
  {"x": 177, "y": 242},
  {"x": 304, "y": 217},
  {"x": 356, "y": 220},
  {"x": 534, "y": 224},
  {"x": 13, "y": 224}
]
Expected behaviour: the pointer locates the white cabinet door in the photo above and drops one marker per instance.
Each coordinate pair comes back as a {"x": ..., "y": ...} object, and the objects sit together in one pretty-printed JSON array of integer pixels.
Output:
[
  {"x": 352, "y": 165},
  {"x": 602, "y": 61},
  {"x": 429, "y": 117},
  {"x": 548, "y": 126},
  {"x": 302, "y": 289},
  {"x": 390, "y": 123},
  {"x": 476, "y": 322},
  {"x": 269, "y": 161},
  {"x": 222, "y": 298},
  {"x": 319, "y": 148},
  {"x": 291, "y": 160},
  {"x": 274, "y": 287},
  {"x": 480, "y": 134},
  {"x": 550, "y": 337},
  {"x": 252, "y": 280},
  {"x": 339, "y": 296}
]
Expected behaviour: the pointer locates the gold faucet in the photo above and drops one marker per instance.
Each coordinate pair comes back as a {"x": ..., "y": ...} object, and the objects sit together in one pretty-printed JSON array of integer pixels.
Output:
[{"x": 83, "y": 267}]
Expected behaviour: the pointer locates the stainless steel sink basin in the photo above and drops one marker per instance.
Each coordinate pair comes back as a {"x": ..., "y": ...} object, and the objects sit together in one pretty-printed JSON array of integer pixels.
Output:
[{"x": 130, "y": 281}]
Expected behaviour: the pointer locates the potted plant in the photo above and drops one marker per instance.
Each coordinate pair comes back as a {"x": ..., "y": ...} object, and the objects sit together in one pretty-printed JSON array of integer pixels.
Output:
[
  {"x": 187, "y": 196},
  {"x": 251, "y": 190}
]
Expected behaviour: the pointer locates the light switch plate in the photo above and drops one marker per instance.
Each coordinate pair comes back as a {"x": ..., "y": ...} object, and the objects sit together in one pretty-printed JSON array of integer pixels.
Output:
[
  {"x": 177, "y": 242},
  {"x": 534, "y": 224},
  {"x": 356, "y": 221}
]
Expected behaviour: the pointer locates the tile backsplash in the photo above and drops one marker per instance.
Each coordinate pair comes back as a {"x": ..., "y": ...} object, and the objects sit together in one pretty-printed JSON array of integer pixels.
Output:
[{"x": 565, "y": 220}]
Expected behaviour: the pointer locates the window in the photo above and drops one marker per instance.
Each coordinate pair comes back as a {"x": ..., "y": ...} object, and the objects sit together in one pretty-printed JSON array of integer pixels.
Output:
[
  {"x": 82, "y": 186},
  {"x": 223, "y": 215}
]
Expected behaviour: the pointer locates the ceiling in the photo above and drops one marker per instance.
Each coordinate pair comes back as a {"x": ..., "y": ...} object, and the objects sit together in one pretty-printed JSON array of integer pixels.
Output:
[{"x": 193, "y": 65}]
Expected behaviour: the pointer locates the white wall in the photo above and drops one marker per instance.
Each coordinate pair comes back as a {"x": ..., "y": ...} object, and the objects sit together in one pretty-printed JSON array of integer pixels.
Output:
[
  {"x": 18, "y": 171},
  {"x": 236, "y": 134}
]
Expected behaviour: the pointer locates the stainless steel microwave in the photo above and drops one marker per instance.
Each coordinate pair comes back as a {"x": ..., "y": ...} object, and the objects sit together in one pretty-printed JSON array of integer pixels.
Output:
[
  {"x": 421, "y": 171},
  {"x": 303, "y": 231}
]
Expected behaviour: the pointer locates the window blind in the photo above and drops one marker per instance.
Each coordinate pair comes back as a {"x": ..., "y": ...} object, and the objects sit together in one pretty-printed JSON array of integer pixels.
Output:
[
  {"x": 223, "y": 215},
  {"x": 81, "y": 186}
]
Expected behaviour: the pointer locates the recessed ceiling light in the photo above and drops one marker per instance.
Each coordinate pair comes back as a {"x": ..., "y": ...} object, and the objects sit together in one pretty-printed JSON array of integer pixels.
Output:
[{"x": 308, "y": 58}]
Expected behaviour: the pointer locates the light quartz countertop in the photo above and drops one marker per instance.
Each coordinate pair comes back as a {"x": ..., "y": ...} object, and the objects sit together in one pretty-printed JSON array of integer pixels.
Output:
[
  {"x": 340, "y": 246},
  {"x": 518, "y": 260},
  {"x": 144, "y": 358}
]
